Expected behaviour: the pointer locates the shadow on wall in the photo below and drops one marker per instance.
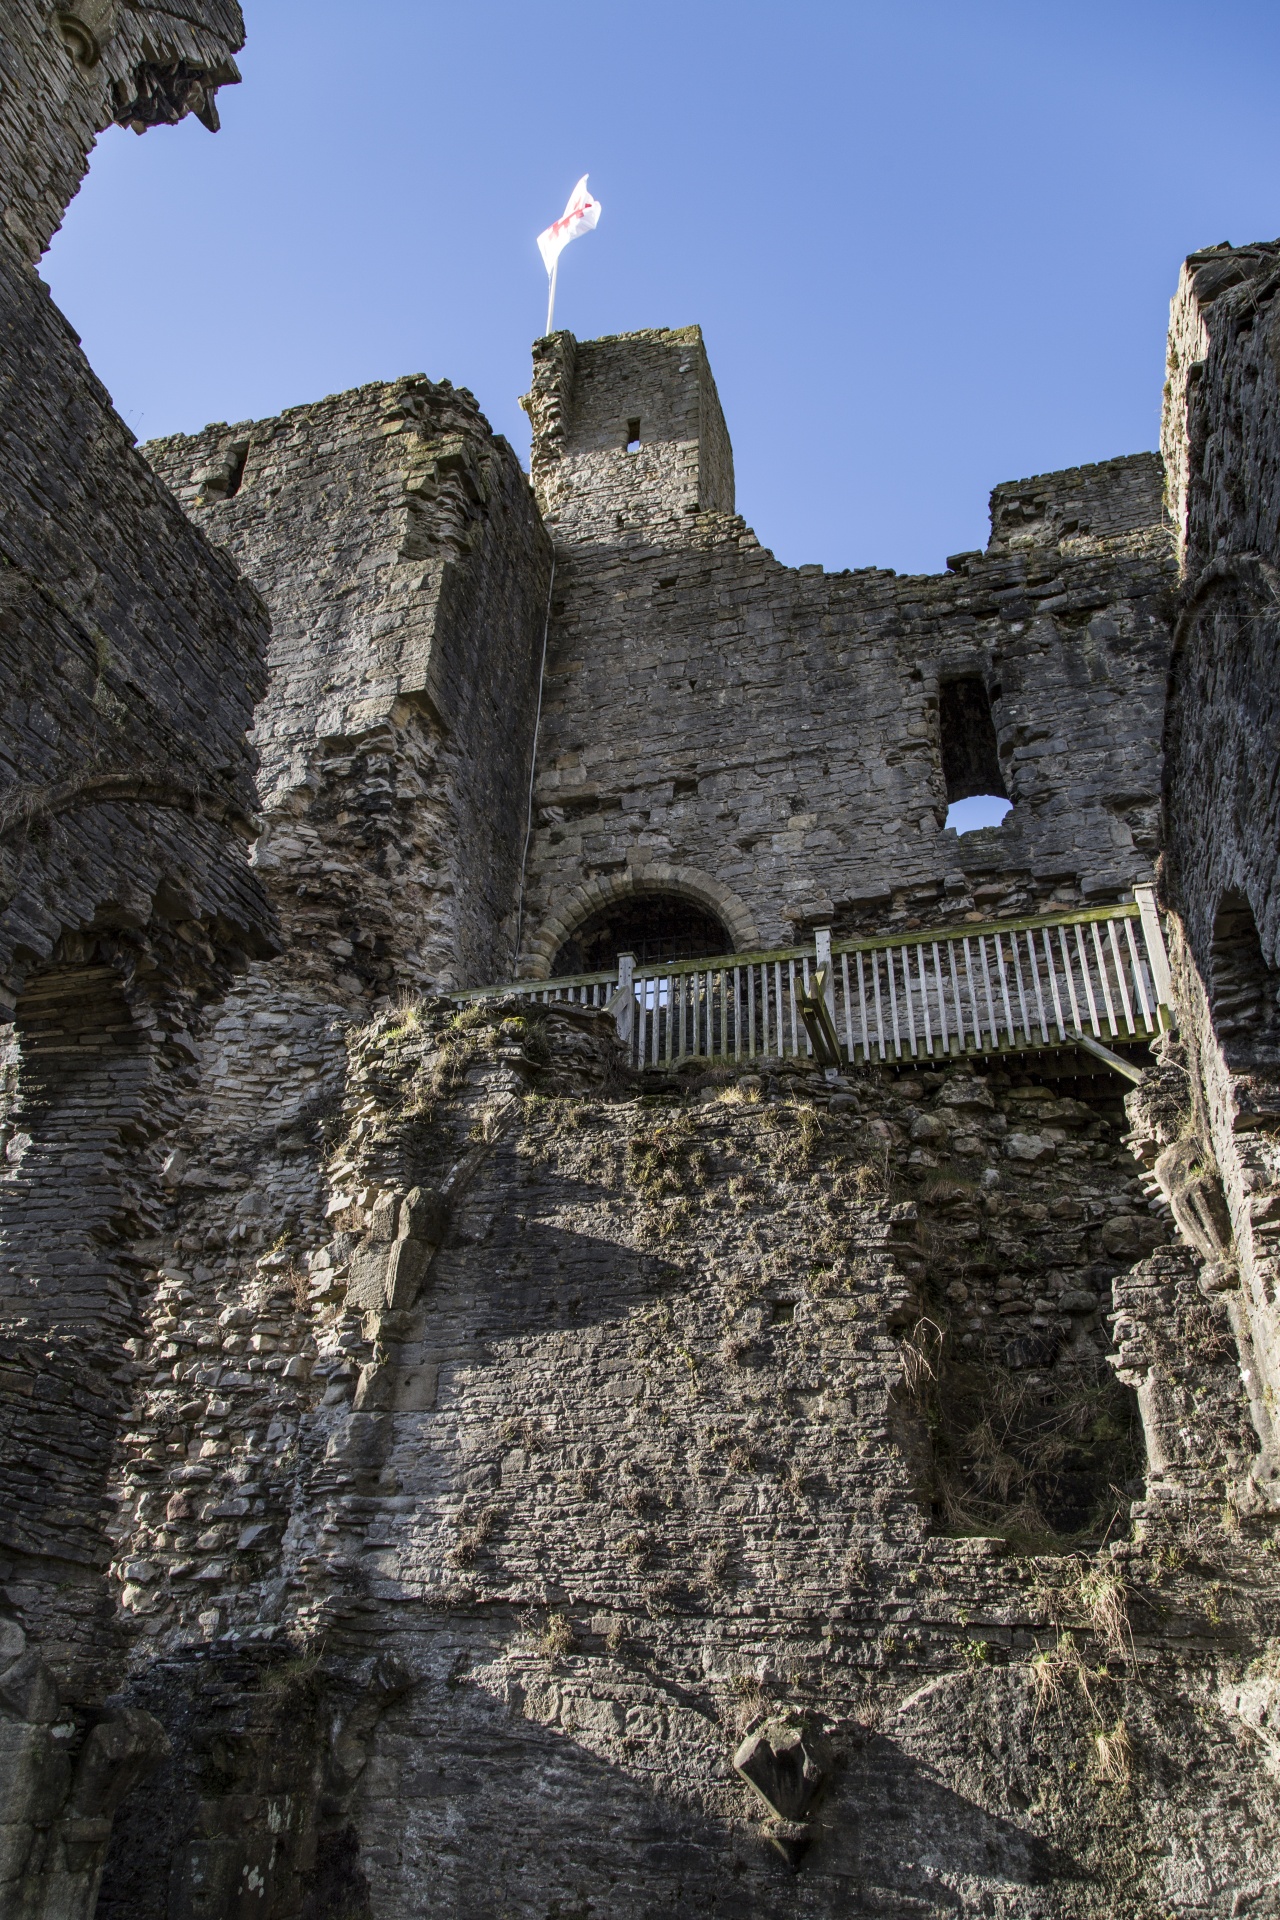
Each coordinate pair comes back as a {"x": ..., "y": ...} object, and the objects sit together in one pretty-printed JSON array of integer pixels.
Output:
[
  {"x": 82, "y": 1072},
  {"x": 882, "y": 1812}
]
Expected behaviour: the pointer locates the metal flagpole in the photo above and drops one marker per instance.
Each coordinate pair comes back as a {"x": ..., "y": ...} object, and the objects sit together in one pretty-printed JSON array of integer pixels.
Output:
[{"x": 551, "y": 292}]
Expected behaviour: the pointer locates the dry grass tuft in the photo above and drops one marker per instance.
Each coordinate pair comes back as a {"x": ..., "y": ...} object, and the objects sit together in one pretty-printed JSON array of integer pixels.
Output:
[
  {"x": 472, "y": 1538},
  {"x": 1035, "y": 1461},
  {"x": 738, "y": 1097},
  {"x": 1114, "y": 1751},
  {"x": 557, "y": 1636},
  {"x": 795, "y": 1480},
  {"x": 921, "y": 1354},
  {"x": 750, "y": 1698},
  {"x": 471, "y": 1019},
  {"x": 1055, "y": 1671},
  {"x": 488, "y": 1127},
  {"x": 1105, "y": 1599},
  {"x": 715, "y": 1568}
]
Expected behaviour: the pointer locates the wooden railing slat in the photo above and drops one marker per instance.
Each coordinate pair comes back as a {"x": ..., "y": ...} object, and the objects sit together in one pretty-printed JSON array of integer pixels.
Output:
[
  {"x": 1138, "y": 981},
  {"x": 1103, "y": 981},
  {"x": 1121, "y": 982}
]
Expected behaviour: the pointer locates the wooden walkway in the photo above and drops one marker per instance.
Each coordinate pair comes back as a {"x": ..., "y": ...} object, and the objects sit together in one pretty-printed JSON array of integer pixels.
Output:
[{"x": 944, "y": 992}]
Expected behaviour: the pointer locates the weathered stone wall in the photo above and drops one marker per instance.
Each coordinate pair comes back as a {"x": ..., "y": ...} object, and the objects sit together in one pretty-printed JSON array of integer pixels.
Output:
[
  {"x": 398, "y": 546},
  {"x": 1222, "y": 773},
  {"x": 68, "y": 72},
  {"x": 1222, "y": 431},
  {"x": 767, "y": 739},
  {"x": 735, "y": 1494},
  {"x": 131, "y": 654},
  {"x": 396, "y": 542},
  {"x": 614, "y": 1424},
  {"x": 628, "y": 432}
]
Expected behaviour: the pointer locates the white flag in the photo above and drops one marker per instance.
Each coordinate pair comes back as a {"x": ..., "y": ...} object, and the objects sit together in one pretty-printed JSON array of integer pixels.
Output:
[{"x": 578, "y": 217}]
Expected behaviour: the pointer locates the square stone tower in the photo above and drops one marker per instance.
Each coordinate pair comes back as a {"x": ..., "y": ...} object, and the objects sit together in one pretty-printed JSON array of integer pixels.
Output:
[{"x": 627, "y": 433}]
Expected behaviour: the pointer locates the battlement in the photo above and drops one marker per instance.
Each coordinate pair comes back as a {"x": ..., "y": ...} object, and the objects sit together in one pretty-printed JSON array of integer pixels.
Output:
[{"x": 1079, "y": 508}]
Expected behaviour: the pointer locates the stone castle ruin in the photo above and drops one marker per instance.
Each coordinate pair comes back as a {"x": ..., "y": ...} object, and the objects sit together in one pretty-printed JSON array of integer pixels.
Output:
[{"x": 601, "y": 1317}]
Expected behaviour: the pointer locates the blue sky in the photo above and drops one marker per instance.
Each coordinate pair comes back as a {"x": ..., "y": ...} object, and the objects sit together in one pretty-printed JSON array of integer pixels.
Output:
[{"x": 931, "y": 245}]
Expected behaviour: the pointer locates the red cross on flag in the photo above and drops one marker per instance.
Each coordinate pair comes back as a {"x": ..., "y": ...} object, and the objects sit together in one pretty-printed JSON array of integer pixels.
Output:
[{"x": 578, "y": 217}]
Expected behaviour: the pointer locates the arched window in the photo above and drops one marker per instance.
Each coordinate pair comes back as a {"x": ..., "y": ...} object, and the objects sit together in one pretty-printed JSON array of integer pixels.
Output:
[
  {"x": 1242, "y": 987},
  {"x": 653, "y": 926},
  {"x": 976, "y": 792}
]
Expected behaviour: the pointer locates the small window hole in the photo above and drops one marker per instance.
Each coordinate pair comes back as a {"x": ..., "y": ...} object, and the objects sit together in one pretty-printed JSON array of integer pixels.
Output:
[
  {"x": 222, "y": 481},
  {"x": 633, "y": 436},
  {"x": 235, "y": 472},
  {"x": 976, "y": 792}
]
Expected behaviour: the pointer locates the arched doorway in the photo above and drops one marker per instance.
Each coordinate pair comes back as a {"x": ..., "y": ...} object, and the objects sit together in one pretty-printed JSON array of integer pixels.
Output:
[{"x": 653, "y": 926}]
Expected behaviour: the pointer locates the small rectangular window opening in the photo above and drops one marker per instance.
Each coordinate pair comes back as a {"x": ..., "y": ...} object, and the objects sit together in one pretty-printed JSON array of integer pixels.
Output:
[
  {"x": 237, "y": 456},
  {"x": 975, "y": 786},
  {"x": 222, "y": 481},
  {"x": 633, "y": 436},
  {"x": 970, "y": 760}
]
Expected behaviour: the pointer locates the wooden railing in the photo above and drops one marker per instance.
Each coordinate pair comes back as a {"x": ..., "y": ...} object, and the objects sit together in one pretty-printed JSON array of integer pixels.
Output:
[{"x": 1046, "y": 981}]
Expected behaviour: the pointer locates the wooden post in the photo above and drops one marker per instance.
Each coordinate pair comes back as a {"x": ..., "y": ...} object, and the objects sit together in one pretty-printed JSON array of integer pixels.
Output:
[
  {"x": 1161, "y": 977},
  {"x": 623, "y": 1003},
  {"x": 822, "y": 940},
  {"x": 827, "y": 975}
]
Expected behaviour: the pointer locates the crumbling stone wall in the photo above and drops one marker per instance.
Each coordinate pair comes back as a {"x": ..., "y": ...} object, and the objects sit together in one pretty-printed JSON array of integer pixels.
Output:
[
  {"x": 398, "y": 546},
  {"x": 68, "y": 72},
  {"x": 740, "y": 1493},
  {"x": 395, "y": 540},
  {"x": 645, "y": 1426},
  {"x": 130, "y": 657},
  {"x": 767, "y": 739},
  {"x": 1222, "y": 777}
]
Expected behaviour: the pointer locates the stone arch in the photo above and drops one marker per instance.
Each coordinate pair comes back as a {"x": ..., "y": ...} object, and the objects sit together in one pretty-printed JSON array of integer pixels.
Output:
[{"x": 570, "y": 908}]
